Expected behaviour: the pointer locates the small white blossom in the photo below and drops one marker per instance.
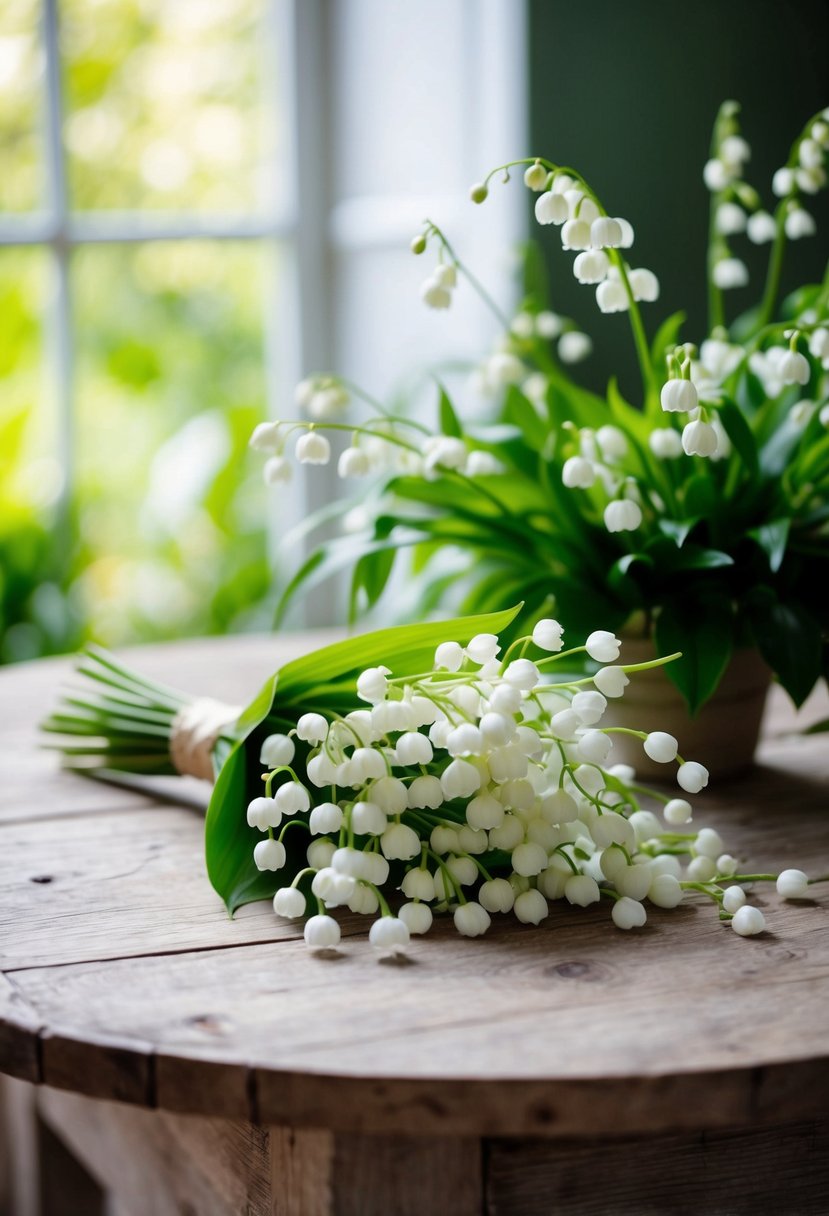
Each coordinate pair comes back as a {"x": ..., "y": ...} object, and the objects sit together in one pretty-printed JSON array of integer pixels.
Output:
[
  {"x": 761, "y": 228},
  {"x": 312, "y": 728},
  {"x": 644, "y": 284},
  {"x": 591, "y": 266},
  {"x": 611, "y": 681},
  {"x": 322, "y": 933},
  {"x": 575, "y": 234},
  {"x": 799, "y": 223},
  {"x": 692, "y": 776},
  {"x": 547, "y": 635},
  {"x": 551, "y": 208},
  {"x": 664, "y": 442},
  {"x": 612, "y": 297},
  {"x": 729, "y": 273},
  {"x": 277, "y": 469},
  {"x": 622, "y": 516},
  {"x": 522, "y": 674},
  {"x": 793, "y": 884},
  {"x": 266, "y": 437},
  {"x": 389, "y": 934},
  {"x": 574, "y": 346},
  {"x": 730, "y": 219},
  {"x": 605, "y": 233},
  {"x": 327, "y": 817},
  {"x": 661, "y": 747},
  {"x": 716, "y": 176},
  {"x": 269, "y": 855},
  {"x": 416, "y": 917},
  {"x": 665, "y": 891},
  {"x": 434, "y": 295},
  {"x": 530, "y": 907},
  {"x": 733, "y": 898},
  {"x": 578, "y": 473},
  {"x": 699, "y": 439},
  {"x": 748, "y": 921},
  {"x": 603, "y": 646},
  {"x": 535, "y": 177},
  {"x": 313, "y": 448},
  {"x": 353, "y": 462},
  {"x": 677, "y": 811},
  {"x": 783, "y": 182},
  {"x": 793, "y": 368},
  {"x": 471, "y": 920},
  {"x": 289, "y": 902},
  {"x": 276, "y": 750},
  {"x": 628, "y": 913},
  {"x": 679, "y": 396}
]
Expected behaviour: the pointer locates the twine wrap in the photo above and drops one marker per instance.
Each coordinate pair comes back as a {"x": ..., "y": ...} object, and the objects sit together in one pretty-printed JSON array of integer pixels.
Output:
[{"x": 194, "y": 732}]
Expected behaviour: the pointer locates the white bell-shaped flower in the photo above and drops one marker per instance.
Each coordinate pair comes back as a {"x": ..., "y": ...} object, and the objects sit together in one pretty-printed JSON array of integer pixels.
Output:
[
  {"x": 591, "y": 266},
  {"x": 679, "y": 396},
  {"x": 575, "y": 234},
  {"x": 551, "y": 208},
  {"x": 761, "y": 228},
  {"x": 606, "y": 233},
  {"x": 729, "y": 273},
  {"x": 622, "y": 515},
  {"x": 644, "y": 284},
  {"x": 574, "y": 346},
  {"x": 612, "y": 297},
  {"x": 269, "y": 855},
  {"x": 313, "y": 448},
  {"x": 321, "y": 933},
  {"x": 699, "y": 438}
]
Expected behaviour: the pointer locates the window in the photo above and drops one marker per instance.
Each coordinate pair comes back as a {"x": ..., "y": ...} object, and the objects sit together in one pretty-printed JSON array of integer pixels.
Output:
[{"x": 199, "y": 203}]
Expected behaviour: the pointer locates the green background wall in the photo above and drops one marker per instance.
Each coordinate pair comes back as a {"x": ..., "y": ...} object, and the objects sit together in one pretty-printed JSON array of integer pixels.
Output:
[{"x": 627, "y": 93}]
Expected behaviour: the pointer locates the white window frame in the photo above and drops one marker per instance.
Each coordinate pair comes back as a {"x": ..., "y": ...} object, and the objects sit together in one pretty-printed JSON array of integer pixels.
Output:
[{"x": 309, "y": 226}]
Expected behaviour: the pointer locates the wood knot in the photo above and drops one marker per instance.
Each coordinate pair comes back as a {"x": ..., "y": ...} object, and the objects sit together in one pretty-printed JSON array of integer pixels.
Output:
[{"x": 580, "y": 969}]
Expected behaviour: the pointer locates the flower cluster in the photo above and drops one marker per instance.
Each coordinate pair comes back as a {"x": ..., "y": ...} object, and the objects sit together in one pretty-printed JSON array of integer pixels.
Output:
[
  {"x": 737, "y": 206},
  {"x": 702, "y": 491},
  {"x": 481, "y": 787}
]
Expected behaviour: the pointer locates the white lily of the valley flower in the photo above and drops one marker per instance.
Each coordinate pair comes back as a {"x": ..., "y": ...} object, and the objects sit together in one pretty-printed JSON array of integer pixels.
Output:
[
  {"x": 574, "y": 346},
  {"x": 623, "y": 515},
  {"x": 799, "y": 223},
  {"x": 729, "y": 273},
  {"x": 699, "y": 439},
  {"x": 313, "y": 448},
  {"x": 644, "y": 284},
  {"x": 761, "y": 228}
]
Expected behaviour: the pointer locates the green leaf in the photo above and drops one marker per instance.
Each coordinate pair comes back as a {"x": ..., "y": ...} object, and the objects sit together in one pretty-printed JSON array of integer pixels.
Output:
[
  {"x": 520, "y": 411},
  {"x": 678, "y": 529},
  {"x": 449, "y": 421},
  {"x": 666, "y": 336},
  {"x": 371, "y": 574},
  {"x": 789, "y": 639},
  {"x": 740, "y": 434},
  {"x": 701, "y": 627},
  {"x": 773, "y": 539}
]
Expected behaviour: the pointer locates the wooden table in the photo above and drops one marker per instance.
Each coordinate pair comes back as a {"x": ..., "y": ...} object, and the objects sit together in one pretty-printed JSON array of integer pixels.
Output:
[{"x": 195, "y": 1064}]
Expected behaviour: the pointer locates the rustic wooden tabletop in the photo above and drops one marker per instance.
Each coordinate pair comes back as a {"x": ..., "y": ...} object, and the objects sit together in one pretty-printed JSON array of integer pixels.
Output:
[{"x": 123, "y": 978}]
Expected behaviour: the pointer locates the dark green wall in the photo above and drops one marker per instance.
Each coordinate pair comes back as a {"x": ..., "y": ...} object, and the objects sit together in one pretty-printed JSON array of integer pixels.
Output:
[{"x": 627, "y": 93}]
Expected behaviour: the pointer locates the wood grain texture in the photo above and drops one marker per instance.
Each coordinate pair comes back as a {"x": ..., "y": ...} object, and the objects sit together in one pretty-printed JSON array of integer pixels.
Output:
[
  {"x": 785, "y": 1171},
  {"x": 165, "y": 1164},
  {"x": 125, "y": 978}
]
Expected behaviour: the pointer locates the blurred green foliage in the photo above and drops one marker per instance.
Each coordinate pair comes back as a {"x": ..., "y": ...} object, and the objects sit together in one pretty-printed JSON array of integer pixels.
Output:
[{"x": 138, "y": 519}]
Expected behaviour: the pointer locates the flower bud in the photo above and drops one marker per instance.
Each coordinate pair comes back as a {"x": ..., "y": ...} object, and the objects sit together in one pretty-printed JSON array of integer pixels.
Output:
[
  {"x": 692, "y": 777},
  {"x": 611, "y": 681},
  {"x": 547, "y": 635},
  {"x": 478, "y": 193},
  {"x": 603, "y": 646},
  {"x": 531, "y": 907},
  {"x": 535, "y": 177},
  {"x": 471, "y": 920},
  {"x": 418, "y": 244},
  {"x": 416, "y": 917},
  {"x": 661, "y": 747},
  {"x": 793, "y": 884},
  {"x": 628, "y": 913}
]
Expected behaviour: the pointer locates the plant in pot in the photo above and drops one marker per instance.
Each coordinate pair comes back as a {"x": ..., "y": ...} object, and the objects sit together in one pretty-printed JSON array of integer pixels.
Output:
[{"x": 694, "y": 519}]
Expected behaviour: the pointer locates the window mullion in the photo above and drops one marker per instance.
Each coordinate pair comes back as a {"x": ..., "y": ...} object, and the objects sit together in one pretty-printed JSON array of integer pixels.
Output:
[{"x": 59, "y": 332}]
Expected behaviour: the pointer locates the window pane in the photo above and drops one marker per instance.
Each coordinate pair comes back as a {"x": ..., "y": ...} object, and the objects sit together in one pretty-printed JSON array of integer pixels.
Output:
[
  {"x": 36, "y": 556},
  {"x": 21, "y": 88},
  {"x": 169, "y": 383},
  {"x": 170, "y": 104}
]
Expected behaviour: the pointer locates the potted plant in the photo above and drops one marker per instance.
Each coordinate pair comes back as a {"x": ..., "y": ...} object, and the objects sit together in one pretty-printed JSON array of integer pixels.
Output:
[{"x": 695, "y": 517}]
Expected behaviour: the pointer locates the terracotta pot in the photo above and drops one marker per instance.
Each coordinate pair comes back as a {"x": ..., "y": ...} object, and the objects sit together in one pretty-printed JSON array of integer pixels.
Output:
[{"x": 723, "y": 736}]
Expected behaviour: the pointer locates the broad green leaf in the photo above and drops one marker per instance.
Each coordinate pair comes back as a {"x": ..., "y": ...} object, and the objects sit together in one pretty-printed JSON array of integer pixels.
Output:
[
  {"x": 773, "y": 539},
  {"x": 677, "y": 529},
  {"x": 702, "y": 628},
  {"x": 789, "y": 639},
  {"x": 371, "y": 574}
]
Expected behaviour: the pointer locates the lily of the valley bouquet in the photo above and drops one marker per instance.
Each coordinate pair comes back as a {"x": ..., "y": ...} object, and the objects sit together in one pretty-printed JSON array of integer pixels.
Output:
[
  {"x": 421, "y": 770},
  {"x": 698, "y": 514}
]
